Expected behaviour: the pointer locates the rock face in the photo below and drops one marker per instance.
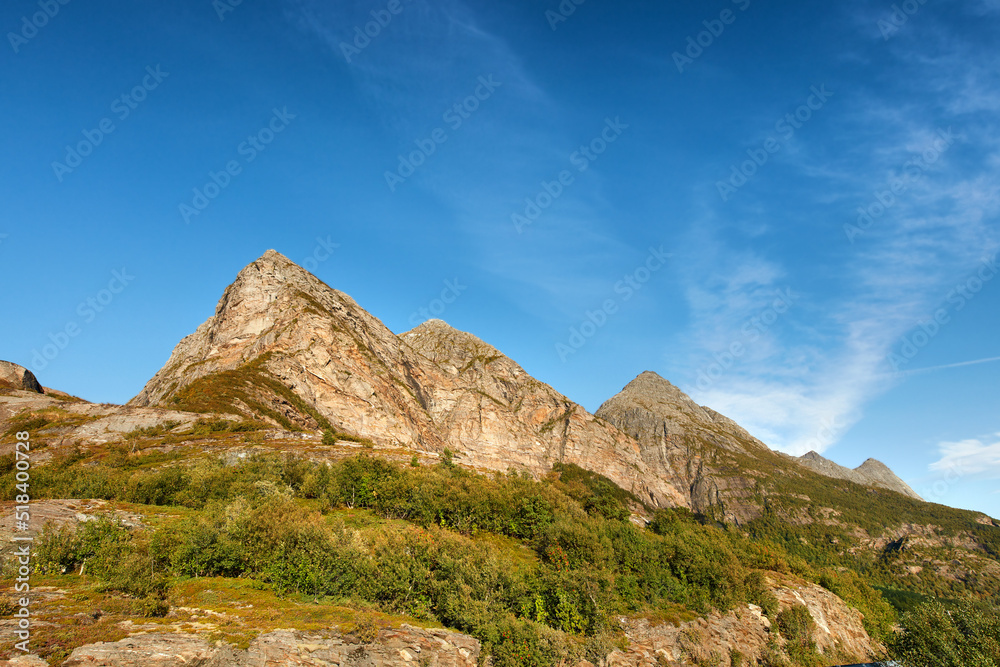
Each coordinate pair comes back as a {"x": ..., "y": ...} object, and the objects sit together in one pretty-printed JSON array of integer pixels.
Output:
[
  {"x": 13, "y": 376},
  {"x": 708, "y": 455},
  {"x": 839, "y": 634},
  {"x": 282, "y": 345},
  {"x": 869, "y": 473},
  {"x": 406, "y": 645}
]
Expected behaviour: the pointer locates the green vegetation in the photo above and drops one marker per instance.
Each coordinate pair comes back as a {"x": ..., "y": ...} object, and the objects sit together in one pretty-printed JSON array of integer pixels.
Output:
[
  {"x": 561, "y": 560},
  {"x": 249, "y": 385},
  {"x": 537, "y": 571},
  {"x": 966, "y": 635},
  {"x": 797, "y": 626}
]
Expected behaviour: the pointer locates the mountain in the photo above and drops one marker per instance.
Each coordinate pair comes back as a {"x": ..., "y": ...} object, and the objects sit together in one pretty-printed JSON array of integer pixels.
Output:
[
  {"x": 717, "y": 463},
  {"x": 285, "y": 348},
  {"x": 707, "y": 455},
  {"x": 869, "y": 473},
  {"x": 287, "y": 459}
]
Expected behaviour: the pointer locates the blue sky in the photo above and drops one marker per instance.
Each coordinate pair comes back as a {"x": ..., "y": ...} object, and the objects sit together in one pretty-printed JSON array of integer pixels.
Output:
[{"x": 623, "y": 187}]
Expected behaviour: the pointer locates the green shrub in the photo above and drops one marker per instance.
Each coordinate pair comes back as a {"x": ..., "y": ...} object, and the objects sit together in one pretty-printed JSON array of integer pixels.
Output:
[
  {"x": 797, "y": 626},
  {"x": 934, "y": 636},
  {"x": 759, "y": 593}
]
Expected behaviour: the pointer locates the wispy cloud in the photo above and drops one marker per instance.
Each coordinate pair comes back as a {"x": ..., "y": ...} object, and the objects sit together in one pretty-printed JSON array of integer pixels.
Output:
[
  {"x": 959, "y": 364},
  {"x": 970, "y": 457},
  {"x": 804, "y": 386}
]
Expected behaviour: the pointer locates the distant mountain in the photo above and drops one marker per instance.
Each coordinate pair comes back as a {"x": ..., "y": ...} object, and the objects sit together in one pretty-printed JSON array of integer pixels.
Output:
[{"x": 869, "y": 473}]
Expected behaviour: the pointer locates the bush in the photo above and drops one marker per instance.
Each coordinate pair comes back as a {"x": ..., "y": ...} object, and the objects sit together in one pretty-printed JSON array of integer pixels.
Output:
[
  {"x": 105, "y": 549},
  {"x": 934, "y": 636},
  {"x": 796, "y": 625},
  {"x": 759, "y": 593}
]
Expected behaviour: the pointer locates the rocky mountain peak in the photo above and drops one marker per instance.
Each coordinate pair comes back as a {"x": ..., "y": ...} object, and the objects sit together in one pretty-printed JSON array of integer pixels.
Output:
[
  {"x": 870, "y": 473},
  {"x": 13, "y": 376},
  {"x": 650, "y": 398},
  {"x": 450, "y": 348}
]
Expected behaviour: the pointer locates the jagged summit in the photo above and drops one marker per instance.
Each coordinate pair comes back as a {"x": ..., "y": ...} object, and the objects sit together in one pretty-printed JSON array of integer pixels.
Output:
[
  {"x": 674, "y": 411},
  {"x": 694, "y": 447},
  {"x": 870, "y": 473},
  {"x": 454, "y": 350}
]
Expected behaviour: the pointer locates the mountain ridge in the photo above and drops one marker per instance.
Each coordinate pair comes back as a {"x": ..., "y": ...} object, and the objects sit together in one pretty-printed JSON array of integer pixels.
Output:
[
  {"x": 870, "y": 473},
  {"x": 305, "y": 355},
  {"x": 430, "y": 388}
]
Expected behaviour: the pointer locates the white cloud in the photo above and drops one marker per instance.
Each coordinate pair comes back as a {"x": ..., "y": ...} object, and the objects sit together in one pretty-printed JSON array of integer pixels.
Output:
[
  {"x": 970, "y": 457},
  {"x": 806, "y": 381}
]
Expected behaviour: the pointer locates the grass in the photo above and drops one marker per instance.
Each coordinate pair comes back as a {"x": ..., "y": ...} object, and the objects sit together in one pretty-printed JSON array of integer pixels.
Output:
[{"x": 252, "y": 386}]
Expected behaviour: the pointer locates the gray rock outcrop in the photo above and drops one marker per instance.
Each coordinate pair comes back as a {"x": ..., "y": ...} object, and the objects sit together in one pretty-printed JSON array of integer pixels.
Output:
[
  {"x": 13, "y": 376},
  {"x": 406, "y": 645}
]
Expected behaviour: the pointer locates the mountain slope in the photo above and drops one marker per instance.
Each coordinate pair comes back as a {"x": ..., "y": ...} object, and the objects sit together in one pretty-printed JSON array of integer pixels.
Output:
[
  {"x": 285, "y": 348},
  {"x": 721, "y": 466}
]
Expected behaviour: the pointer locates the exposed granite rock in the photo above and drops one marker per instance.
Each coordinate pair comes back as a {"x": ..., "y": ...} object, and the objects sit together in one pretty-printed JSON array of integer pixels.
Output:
[
  {"x": 428, "y": 389},
  {"x": 682, "y": 441},
  {"x": 13, "y": 376},
  {"x": 58, "y": 513},
  {"x": 406, "y": 645},
  {"x": 710, "y": 640},
  {"x": 869, "y": 473},
  {"x": 30, "y": 660}
]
